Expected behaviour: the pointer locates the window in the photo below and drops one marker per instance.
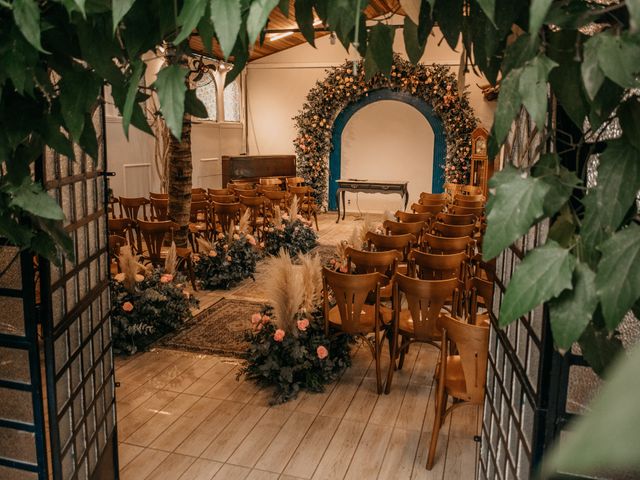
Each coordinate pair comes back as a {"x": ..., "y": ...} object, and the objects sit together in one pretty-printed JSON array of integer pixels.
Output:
[
  {"x": 232, "y": 102},
  {"x": 207, "y": 93}
]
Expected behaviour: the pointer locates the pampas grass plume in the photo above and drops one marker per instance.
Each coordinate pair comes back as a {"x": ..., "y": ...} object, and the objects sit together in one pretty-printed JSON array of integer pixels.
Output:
[
  {"x": 285, "y": 290},
  {"x": 171, "y": 260}
]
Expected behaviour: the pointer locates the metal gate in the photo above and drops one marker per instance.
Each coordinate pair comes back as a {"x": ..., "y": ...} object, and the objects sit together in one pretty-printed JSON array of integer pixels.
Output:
[{"x": 69, "y": 432}]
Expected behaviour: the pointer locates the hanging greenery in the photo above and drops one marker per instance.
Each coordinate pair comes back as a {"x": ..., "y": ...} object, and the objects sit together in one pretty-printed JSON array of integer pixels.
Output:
[{"x": 434, "y": 84}]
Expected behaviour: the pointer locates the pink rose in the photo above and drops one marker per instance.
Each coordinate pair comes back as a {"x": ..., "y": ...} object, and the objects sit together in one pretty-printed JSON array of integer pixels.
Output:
[
  {"x": 252, "y": 240},
  {"x": 343, "y": 268},
  {"x": 322, "y": 352},
  {"x": 166, "y": 278},
  {"x": 303, "y": 324},
  {"x": 279, "y": 335},
  {"x": 265, "y": 319},
  {"x": 213, "y": 253},
  {"x": 255, "y": 318},
  {"x": 258, "y": 327},
  {"x": 127, "y": 306},
  {"x": 228, "y": 258}
]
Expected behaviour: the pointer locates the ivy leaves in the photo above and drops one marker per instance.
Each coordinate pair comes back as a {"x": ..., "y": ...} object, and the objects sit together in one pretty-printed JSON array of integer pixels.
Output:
[
  {"x": 171, "y": 92},
  {"x": 26, "y": 14}
]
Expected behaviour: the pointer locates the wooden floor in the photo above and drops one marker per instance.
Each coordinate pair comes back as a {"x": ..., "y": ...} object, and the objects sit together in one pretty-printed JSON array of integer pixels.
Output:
[{"x": 186, "y": 416}]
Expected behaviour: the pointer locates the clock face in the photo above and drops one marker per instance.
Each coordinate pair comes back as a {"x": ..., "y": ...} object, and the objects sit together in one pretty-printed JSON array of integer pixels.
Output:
[{"x": 481, "y": 146}]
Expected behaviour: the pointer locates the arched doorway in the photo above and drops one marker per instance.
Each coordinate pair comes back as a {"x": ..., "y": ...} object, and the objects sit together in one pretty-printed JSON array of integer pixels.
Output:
[{"x": 437, "y": 157}]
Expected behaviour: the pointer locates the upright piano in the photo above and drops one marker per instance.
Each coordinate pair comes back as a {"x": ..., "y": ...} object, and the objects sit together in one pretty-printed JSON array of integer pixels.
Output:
[{"x": 253, "y": 167}]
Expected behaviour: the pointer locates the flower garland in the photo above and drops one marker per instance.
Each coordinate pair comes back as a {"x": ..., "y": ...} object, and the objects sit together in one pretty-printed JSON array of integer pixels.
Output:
[{"x": 434, "y": 84}]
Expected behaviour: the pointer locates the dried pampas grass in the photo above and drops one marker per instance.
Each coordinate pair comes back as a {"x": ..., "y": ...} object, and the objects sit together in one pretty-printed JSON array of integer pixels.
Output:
[
  {"x": 341, "y": 251},
  {"x": 312, "y": 281},
  {"x": 285, "y": 290},
  {"x": 172, "y": 260},
  {"x": 232, "y": 230},
  {"x": 388, "y": 215},
  {"x": 277, "y": 216},
  {"x": 204, "y": 245},
  {"x": 245, "y": 221},
  {"x": 293, "y": 208},
  {"x": 130, "y": 266}
]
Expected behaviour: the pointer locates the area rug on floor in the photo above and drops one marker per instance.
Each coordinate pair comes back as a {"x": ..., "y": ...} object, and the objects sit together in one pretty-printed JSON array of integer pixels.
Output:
[
  {"x": 326, "y": 253},
  {"x": 220, "y": 329}
]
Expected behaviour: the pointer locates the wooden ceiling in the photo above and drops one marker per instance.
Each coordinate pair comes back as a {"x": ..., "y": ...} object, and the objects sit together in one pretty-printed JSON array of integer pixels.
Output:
[{"x": 277, "y": 21}]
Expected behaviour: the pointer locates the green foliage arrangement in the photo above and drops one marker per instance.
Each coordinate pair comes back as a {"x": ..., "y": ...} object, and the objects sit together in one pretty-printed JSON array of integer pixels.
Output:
[
  {"x": 342, "y": 86},
  {"x": 305, "y": 359},
  {"x": 295, "y": 236},
  {"x": 227, "y": 261},
  {"x": 156, "y": 305}
]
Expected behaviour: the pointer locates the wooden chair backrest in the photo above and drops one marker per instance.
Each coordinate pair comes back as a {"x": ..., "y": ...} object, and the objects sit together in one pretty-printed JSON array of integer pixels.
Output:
[
  {"x": 472, "y": 344},
  {"x": 479, "y": 288},
  {"x": 121, "y": 226},
  {"x": 469, "y": 203},
  {"x": 445, "y": 245},
  {"x": 446, "y": 230},
  {"x": 200, "y": 208},
  {"x": 430, "y": 266},
  {"x": 471, "y": 190},
  {"x": 452, "y": 219},
  {"x": 251, "y": 201},
  {"x": 469, "y": 198},
  {"x": 241, "y": 185},
  {"x": 154, "y": 234},
  {"x": 130, "y": 207},
  {"x": 164, "y": 196},
  {"x": 433, "y": 197},
  {"x": 271, "y": 181},
  {"x": 159, "y": 208},
  {"x": 278, "y": 198},
  {"x": 432, "y": 209},
  {"x": 199, "y": 197},
  {"x": 226, "y": 213},
  {"x": 368, "y": 262},
  {"x": 222, "y": 198},
  {"x": 267, "y": 188},
  {"x": 198, "y": 191},
  {"x": 407, "y": 217},
  {"x": 402, "y": 243},
  {"x": 116, "y": 242},
  {"x": 247, "y": 192},
  {"x": 460, "y": 210},
  {"x": 294, "y": 181},
  {"x": 425, "y": 299},
  {"x": 350, "y": 293},
  {"x": 219, "y": 191},
  {"x": 400, "y": 228},
  {"x": 303, "y": 193}
]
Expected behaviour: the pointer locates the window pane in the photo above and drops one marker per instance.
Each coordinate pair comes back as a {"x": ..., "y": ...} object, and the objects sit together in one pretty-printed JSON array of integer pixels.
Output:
[
  {"x": 206, "y": 92},
  {"x": 232, "y": 102}
]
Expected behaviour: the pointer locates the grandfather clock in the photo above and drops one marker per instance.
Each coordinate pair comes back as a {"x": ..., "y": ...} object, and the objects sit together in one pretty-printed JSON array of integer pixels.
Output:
[{"x": 480, "y": 172}]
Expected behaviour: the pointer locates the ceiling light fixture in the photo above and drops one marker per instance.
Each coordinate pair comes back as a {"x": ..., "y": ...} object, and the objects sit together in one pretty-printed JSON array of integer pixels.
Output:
[{"x": 279, "y": 36}]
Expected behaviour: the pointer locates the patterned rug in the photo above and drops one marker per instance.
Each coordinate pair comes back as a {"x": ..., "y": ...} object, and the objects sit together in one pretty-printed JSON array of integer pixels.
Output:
[
  {"x": 220, "y": 329},
  {"x": 326, "y": 252}
]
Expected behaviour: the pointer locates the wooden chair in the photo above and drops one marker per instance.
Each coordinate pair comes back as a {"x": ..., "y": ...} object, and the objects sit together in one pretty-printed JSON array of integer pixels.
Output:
[
  {"x": 271, "y": 182},
  {"x": 452, "y": 188},
  {"x": 294, "y": 182},
  {"x": 219, "y": 191},
  {"x": 267, "y": 188},
  {"x": 426, "y": 197},
  {"x": 240, "y": 185},
  {"x": 256, "y": 207},
  {"x": 158, "y": 195},
  {"x": 446, "y": 245},
  {"x": 127, "y": 228},
  {"x": 462, "y": 373},
  {"x": 116, "y": 242},
  {"x": 130, "y": 207},
  {"x": 430, "y": 266},
  {"x": 111, "y": 207},
  {"x": 199, "y": 197},
  {"x": 200, "y": 224},
  {"x": 247, "y": 192},
  {"x": 401, "y": 243},
  {"x": 432, "y": 209},
  {"x": 400, "y": 228},
  {"x": 406, "y": 217},
  {"x": 460, "y": 210},
  {"x": 451, "y": 219},
  {"x": 419, "y": 322},
  {"x": 155, "y": 235},
  {"x": 225, "y": 214},
  {"x": 306, "y": 202},
  {"x": 352, "y": 315},
  {"x": 446, "y": 230},
  {"x": 475, "y": 301},
  {"x": 469, "y": 203},
  {"x": 278, "y": 198},
  {"x": 385, "y": 263},
  {"x": 222, "y": 198},
  {"x": 469, "y": 198},
  {"x": 471, "y": 190},
  {"x": 159, "y": 209},
  {"x": 198, "y": 191}
]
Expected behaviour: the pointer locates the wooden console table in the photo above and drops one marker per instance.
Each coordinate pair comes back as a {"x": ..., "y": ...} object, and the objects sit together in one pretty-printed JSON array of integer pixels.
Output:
[{"x": 369, "y": 186}]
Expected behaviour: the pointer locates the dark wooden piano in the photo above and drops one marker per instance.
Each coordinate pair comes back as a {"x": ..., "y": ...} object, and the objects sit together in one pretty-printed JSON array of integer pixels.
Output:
[{"x": 254, "y": 167}]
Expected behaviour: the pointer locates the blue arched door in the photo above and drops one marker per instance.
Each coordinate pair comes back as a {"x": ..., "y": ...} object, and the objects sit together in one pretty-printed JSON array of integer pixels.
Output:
[{"x": 439, "y": 145}]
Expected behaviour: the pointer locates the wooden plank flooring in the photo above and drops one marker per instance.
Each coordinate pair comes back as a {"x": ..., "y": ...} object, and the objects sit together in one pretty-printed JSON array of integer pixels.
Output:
[{"x": 185, "y": 416}]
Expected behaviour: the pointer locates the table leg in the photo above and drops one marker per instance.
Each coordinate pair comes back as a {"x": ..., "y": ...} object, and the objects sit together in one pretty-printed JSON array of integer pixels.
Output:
[
  {"x": 338, "y": 204},
  {"x": 344, "y": 207},
  {"x": 405, "y": 194}
]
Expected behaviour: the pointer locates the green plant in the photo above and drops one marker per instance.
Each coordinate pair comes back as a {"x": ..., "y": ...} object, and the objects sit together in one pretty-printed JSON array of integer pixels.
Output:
[
  {"x": 295, "y": 237},
  {"x": 156, "y": 305}
]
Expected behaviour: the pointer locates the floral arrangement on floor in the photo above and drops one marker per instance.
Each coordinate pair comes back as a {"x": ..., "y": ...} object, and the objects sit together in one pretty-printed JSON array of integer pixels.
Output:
[
  {"x": 147, "y": 302},
  {"x": 289, "y": 231},
  {"x": 434, "y": 84},
  {"x": 289, "y": 349},
  {"x": 227, "y": 261}
]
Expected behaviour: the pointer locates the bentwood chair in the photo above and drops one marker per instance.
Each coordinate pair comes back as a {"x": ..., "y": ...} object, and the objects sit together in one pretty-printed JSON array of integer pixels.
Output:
[
  {"x": 199, "y": 197},
  {"x": 469, "y": 203},
  {"x": 471, "y": 190},
  {"x": 429, "y": 266},
  {"x": 427, "y": 198},
  {"x": 127, "y": 228},
  {"x": 451, "y": 219},
  {"x": 446, "y": 230},
  {"x": 256, "y": 218},
  {"x": 452, "y": 188},
  {"x": 475, "y": 301},
  {"x": 294, "y": 182},
  {"x": 225, "y": 214},
  {"x": 279, "y": 199},
  {"x": 418, "y": 322},
  {"x": 246, "y": 192},
  {"x": 158, "y": 195},
  {"x": 432, "y": 209},
  {"x": 198, "y": 191},
  {"x": 406, "y": 217},
  {"x": 460, "y": 210},
  {"x": 219, "y": 191},
  {"x": 271, "y": 182},
  {"x": 267, "y": 188},
  {"x": 400, "y": 228},
  {"x": 444, "y": 245},
  {"x": 130, "y": 207},
  {"x": 381, "y": 243},
  {"x": 199, "y": 222},
  {"x": 159, "y": 208},
  {"x": 352, "y": 315},
  {"x": 469, "y": 198},
  {"x": 306, "y": 202},
  {"x": 462, "y": 373},
  {"x": 229, "y": 198},
  {"x": 385, "y": 263}
]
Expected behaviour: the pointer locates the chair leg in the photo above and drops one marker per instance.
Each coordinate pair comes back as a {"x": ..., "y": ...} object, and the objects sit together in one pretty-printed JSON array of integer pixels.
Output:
[
  {"x": 403, "y": 350},
  {"x": 315, "y": 216},
  {"x": 437, "y": 423},
  {"x": 393, "y": 346},
  {"x": 378, "y": 351}
]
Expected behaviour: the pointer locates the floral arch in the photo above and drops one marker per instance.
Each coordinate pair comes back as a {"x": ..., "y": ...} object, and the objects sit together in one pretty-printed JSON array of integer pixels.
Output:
[{"x": 434, "y": 84}]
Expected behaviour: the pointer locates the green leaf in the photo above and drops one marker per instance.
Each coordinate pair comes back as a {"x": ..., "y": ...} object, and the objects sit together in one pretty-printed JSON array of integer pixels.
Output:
[
  {"x": 79, "y": 91},
  {"x": 426, "y": 22},
  {"x": 370, "y": 67},
  {"x": 412, "y": 43},
  {"x": 381, "y": 42},
  {"x": 543, "y": 274},
  {"x": 566, "y": 82},
  {"x": 606, "y": 438},
  {"x": 537, "y": 13},
  {"x": 599, "y": 347},
  {"x": 205, "y": 30},
  {"x": 517, "y": 203},
  {"x": 60, "y": 237},
  {"x": 89, "y": 140},
  {"x": 592, "y": 74},
  {"x": 132, "y": 90},
  {"x": 171, "y": 88},
  {"x": 190, "y": 15},
  {"x": 283, "y": 5},
  {"x": 449, "y": 15},
  {"x": 258, "y": 14},
  {"x": 634, "y": 13},
  {"x": 509, "y": 102},
  {"x": 194, "y": 106},
  {"x": 619, "y": 57},
  {"x": 226, "y": 16},
  {"x": 489, "y": 9},
  {"x": 571, "y": 312},
  {"x": 561, "y": 182},
  {"x": 55, "y": 139},
  {"x": 29, "y": 196},
  {"x": 26, "y": 14},
  {"x": 629, "y": 115},
  {"x": 304, "y": 18},
  {"x": 618, "y": 278},
  {"x": 532, "y": 87},
  {"x": 120, "y": 9},
  {"x": 563, "y": 228}
]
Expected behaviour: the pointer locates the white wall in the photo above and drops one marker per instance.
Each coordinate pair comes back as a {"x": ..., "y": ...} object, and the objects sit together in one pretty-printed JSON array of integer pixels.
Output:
[{"x": 403, "y": 152}]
